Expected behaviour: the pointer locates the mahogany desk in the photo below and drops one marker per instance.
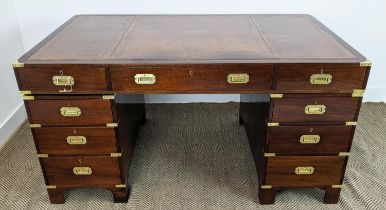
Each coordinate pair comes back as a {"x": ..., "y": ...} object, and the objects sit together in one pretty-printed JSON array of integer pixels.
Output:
[{"x": 301, "y": 88}]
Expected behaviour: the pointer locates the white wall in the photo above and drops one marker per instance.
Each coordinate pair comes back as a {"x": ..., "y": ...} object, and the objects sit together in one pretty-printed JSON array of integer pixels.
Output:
[{"x": 12, "y": 112}]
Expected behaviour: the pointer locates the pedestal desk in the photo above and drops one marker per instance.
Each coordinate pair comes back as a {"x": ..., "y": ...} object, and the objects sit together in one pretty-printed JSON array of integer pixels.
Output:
[{"x": 301, "y": 89}]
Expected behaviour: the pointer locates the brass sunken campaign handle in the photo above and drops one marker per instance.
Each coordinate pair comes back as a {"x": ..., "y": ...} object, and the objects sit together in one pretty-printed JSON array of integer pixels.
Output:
[
  {"x": 76, "y": 140},
  {"x": 63, "y": 80},
  {"x": 321, "y": 79},
  {"x": 315, "y": 109},
  {"x": 145, "y": 79},
  {"x": 240, "y": 78},
  {"x": 301, "y": 170},
  {"x": 309, "y": 139},
  {"x": 70, "y": 111},
  {"x": 82, "y": 171}
]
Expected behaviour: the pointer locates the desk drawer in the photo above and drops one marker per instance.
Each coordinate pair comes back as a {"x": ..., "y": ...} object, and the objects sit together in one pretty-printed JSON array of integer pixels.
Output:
[
  {"x": 71, "y": 79},
  {"x": 336, "y": 77},
  {"x": 79, "y": 112},
  {"x": 75, "y": 141},
  {"x": 82, "y": 171},
  {"x": 304, "y": 170},
  {"x": 312, "y": 140},
  {"x": 200, "y": 79},
  {"x": 327, "y": 109}
]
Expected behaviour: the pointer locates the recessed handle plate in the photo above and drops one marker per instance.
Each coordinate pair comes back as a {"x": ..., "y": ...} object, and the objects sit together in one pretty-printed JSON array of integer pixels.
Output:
[
  {"x": 315, "y": 109},
  {"x": 309, "y": 139},
  {"x": 304, "y": 170},
  {"x": 241, "y": 78},
  {"x": 70, "y": 111},
  {"x": 63, "y": 80},
  {"x": 145, "y": 79},
  {"x": 82, "y": 171},
  {"x": 321, "y": 79},
  {"x": 76, "y": 140}
]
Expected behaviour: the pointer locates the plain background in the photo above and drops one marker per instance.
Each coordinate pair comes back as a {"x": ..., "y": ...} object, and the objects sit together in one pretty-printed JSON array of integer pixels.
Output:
[{"x": 23, "y": 23}]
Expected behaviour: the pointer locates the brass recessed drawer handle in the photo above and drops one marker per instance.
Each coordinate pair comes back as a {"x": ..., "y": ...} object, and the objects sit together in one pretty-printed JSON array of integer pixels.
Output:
[
  {"x": 321, "y": 79},
  {"x": 304, "y": 170},
  {"x": 315, "y": 109},
  {"x": 76, "y": 140},
  {"x": 63, "y": 80},
  {"x": 70, "y": 111},
  {"x": 145, "y": 79},
  {"x": 241, "y": 78},
  {"x": 309, "y": 139},
  {"x": 82, "y": 171}
]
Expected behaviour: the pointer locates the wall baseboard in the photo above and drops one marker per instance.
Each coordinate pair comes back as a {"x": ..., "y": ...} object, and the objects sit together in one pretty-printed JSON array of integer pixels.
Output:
[{"x": 12, "y": 124}]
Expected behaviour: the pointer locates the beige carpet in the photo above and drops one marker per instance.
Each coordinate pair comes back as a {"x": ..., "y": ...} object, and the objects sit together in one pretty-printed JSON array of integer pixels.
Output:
[{"x": 196, "y": 156}]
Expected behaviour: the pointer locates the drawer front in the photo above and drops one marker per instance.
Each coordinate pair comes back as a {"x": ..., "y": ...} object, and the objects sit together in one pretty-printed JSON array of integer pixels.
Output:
[
  {"x": 205, "y": 79},
  {"x": 82, "y": 171},
  {"x": 75, "y": 141},
  {"x": 70, "y": 112},
  {"x": 320, "y": 77},
  {"x": 327, "y": 109},
  {"x": 296, "y": 170},
  {"x": 312, "y": 140},
  {"x": 57, "y": 80}
]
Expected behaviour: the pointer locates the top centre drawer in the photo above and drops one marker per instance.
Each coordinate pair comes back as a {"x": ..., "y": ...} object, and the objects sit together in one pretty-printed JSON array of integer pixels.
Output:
[{"x": 193, "y": 79}]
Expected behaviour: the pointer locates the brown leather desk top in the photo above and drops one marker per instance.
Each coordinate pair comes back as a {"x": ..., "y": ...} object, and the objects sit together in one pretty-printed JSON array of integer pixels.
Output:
[{"x": 153, "y": 39}]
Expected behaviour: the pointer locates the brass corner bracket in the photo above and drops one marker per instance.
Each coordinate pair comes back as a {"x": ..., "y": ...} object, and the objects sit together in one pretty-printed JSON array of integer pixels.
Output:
[
  {"x": 28, "y": 98},
  {"x": 269, "y": 154},
  {"x": 120, "y": 185},
  {"x": 266, "y": 186},
  {"x": 17, "y": 64},
  {"x": 112, "y": 125},
  {"x": 272, "y": 124},
  {"x": 351, "y": 123},
  {"x": 358, "y": 93},
  {"x": 365, "y": 63},
  {"x": 116, "y": 154},
  {"x": 344, "y": 154},
  {"x": 337, "y": 186},
  {"x": 108, "y": 97},
  {"x": 276, "y": 95}
]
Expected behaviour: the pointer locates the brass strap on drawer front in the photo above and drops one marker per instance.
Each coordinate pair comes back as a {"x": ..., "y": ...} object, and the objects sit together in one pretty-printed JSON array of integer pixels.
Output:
[
  {"x": 302, "y": 170},
  {"x": 321, "y": 79},
  {"x": 240, "y": 78},
  {"x": 309, "y": 139},
  {"x": 145, "y": 79},
  {"x": 82, "y": 171},
  {"x": 76, "y": 140},
  {"x": 315, "y": 109},
  {"x": 70, "y": 111}
]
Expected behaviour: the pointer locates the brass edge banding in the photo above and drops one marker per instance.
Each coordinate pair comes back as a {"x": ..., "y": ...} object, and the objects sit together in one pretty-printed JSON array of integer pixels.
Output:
[
  {"x": 108, "y": 97},
  {"x": 344, "y": 154},
  {"x": 25, "y": 92},
  {"x": 365, "y": 63},
  {"x": 35, "y": 125},
  {"x": 17, "y": 64},
  {"x": 28, "y": 98},
  {"x": 276, "y": 95},
  {"x": 112, "y": 125},
  {"x": 269, "y": 154},
  {"x": 266, "y": 186},
  {"x": 337, "y": 186},
  {"x": 42, "y": 155},
  {"x": 351, "y": 123},
  {"x": 51, "y": 187},
  {"x": 271, "y": 124},
  {"x": 120, "y": 185}
]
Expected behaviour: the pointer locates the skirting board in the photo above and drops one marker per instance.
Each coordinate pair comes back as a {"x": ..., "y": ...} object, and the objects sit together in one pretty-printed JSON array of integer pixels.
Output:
[{"x": 12, "y": 124}]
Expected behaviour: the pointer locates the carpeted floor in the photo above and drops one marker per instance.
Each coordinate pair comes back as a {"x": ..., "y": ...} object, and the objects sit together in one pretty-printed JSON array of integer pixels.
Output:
[{"x": 196, "y": 156}]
